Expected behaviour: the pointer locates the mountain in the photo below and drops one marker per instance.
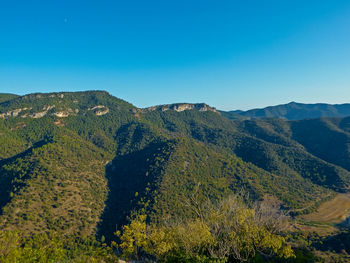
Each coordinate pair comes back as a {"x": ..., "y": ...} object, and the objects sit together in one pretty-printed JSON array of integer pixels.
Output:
[
  {"x": 7, "y": 96},
  {"x": 294, "y": 111},
  {"x": 81, "y": 164}
]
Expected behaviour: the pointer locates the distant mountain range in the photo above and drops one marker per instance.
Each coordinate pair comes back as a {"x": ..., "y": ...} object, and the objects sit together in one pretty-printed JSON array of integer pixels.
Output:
[{"x": 294, "y": 111}]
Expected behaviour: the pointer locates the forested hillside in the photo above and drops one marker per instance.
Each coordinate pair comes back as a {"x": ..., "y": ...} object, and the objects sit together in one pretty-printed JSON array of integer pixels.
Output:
[
  {"x": 7, "y": 96},
  {"x": 294, "y": 111},
  {"x": 81, "y": 165}
]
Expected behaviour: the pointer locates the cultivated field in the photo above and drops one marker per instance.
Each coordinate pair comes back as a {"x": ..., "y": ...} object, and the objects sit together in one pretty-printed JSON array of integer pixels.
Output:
[{"x": 332, "y": 212}]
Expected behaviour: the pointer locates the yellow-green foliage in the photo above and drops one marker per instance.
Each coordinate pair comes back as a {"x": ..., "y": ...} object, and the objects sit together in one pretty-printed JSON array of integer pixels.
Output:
[
  {"x": 46, "y": 248},
  {"x": 191, "y": 238},
  {"x": 38, "y": 249},
  {"x": 134, "y": 236},
  {"x": 222, "y": 232},
  {"x": 241, "y": 232}
]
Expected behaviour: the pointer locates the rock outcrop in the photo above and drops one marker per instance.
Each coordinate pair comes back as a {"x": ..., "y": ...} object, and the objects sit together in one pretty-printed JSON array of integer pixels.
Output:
[
  {"x": 13, "y": 113},
  {"x": 99, "y": 110},
  {"x": 27, "y": 113},
  {"x": 182, "y": 107},
  {"x": 61, "y": 114}
]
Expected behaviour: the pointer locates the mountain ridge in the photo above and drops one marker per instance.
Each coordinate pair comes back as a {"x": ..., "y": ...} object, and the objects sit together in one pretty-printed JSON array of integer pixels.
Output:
[
  {"x": 290, "y": 111},
  {"x": 296, "y": 111}
]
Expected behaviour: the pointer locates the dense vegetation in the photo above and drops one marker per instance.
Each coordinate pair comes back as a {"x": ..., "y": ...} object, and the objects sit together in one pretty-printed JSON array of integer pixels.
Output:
[
  {"x": 79, "y": 166},
  {"x": 294, "y": 111},
  {"x": 7, "y": 96}
]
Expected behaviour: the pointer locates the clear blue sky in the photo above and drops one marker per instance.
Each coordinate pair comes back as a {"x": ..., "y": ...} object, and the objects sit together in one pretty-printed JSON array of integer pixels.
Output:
[{"x": 231, "y": 54}]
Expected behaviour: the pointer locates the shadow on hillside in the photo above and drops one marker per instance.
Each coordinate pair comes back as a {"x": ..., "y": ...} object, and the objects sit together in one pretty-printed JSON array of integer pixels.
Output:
[
  {"x": 128, "y": 175},
  {"x": 339, "y": 243},
  {"x": 8, "y": 177}
]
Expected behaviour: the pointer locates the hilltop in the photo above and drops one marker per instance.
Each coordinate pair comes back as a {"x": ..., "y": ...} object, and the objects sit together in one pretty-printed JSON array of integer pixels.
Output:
[{"x": 7, "y": 96}]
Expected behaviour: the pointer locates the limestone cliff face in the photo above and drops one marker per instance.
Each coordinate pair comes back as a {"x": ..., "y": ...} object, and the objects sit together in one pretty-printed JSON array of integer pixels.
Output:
[
  {"x": 182, "y": 107},
  {"x": 61, "y": 114},
  {"x": 24, "y": 113},
  {"x": 99, "y": 110},
  {"x": 13, "y": 113}
]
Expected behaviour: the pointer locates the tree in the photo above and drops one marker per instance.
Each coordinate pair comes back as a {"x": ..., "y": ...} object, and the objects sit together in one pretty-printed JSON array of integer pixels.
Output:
[{"x": 133, "y": 237}]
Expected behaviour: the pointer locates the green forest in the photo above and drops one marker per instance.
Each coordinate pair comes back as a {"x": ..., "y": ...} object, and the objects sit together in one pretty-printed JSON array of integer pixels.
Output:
[{"x": 88, "y": 177}]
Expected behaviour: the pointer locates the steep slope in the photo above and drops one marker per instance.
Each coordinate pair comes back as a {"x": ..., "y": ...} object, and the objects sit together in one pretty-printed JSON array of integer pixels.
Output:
[
  {"x": 57, "y": 185},
  {"x": 194, "y": 168},
  {"x": 256, "y": 142},
  {"x": 295, "y": 111},
  {"x": 52, "y": 165},
  {"x": 325, "y": 138},
  {"x": 11, "y": 143}
]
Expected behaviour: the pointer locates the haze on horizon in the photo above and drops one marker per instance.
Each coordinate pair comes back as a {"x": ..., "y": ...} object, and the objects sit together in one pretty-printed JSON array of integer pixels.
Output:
[{"x": 230, "y": 55}]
